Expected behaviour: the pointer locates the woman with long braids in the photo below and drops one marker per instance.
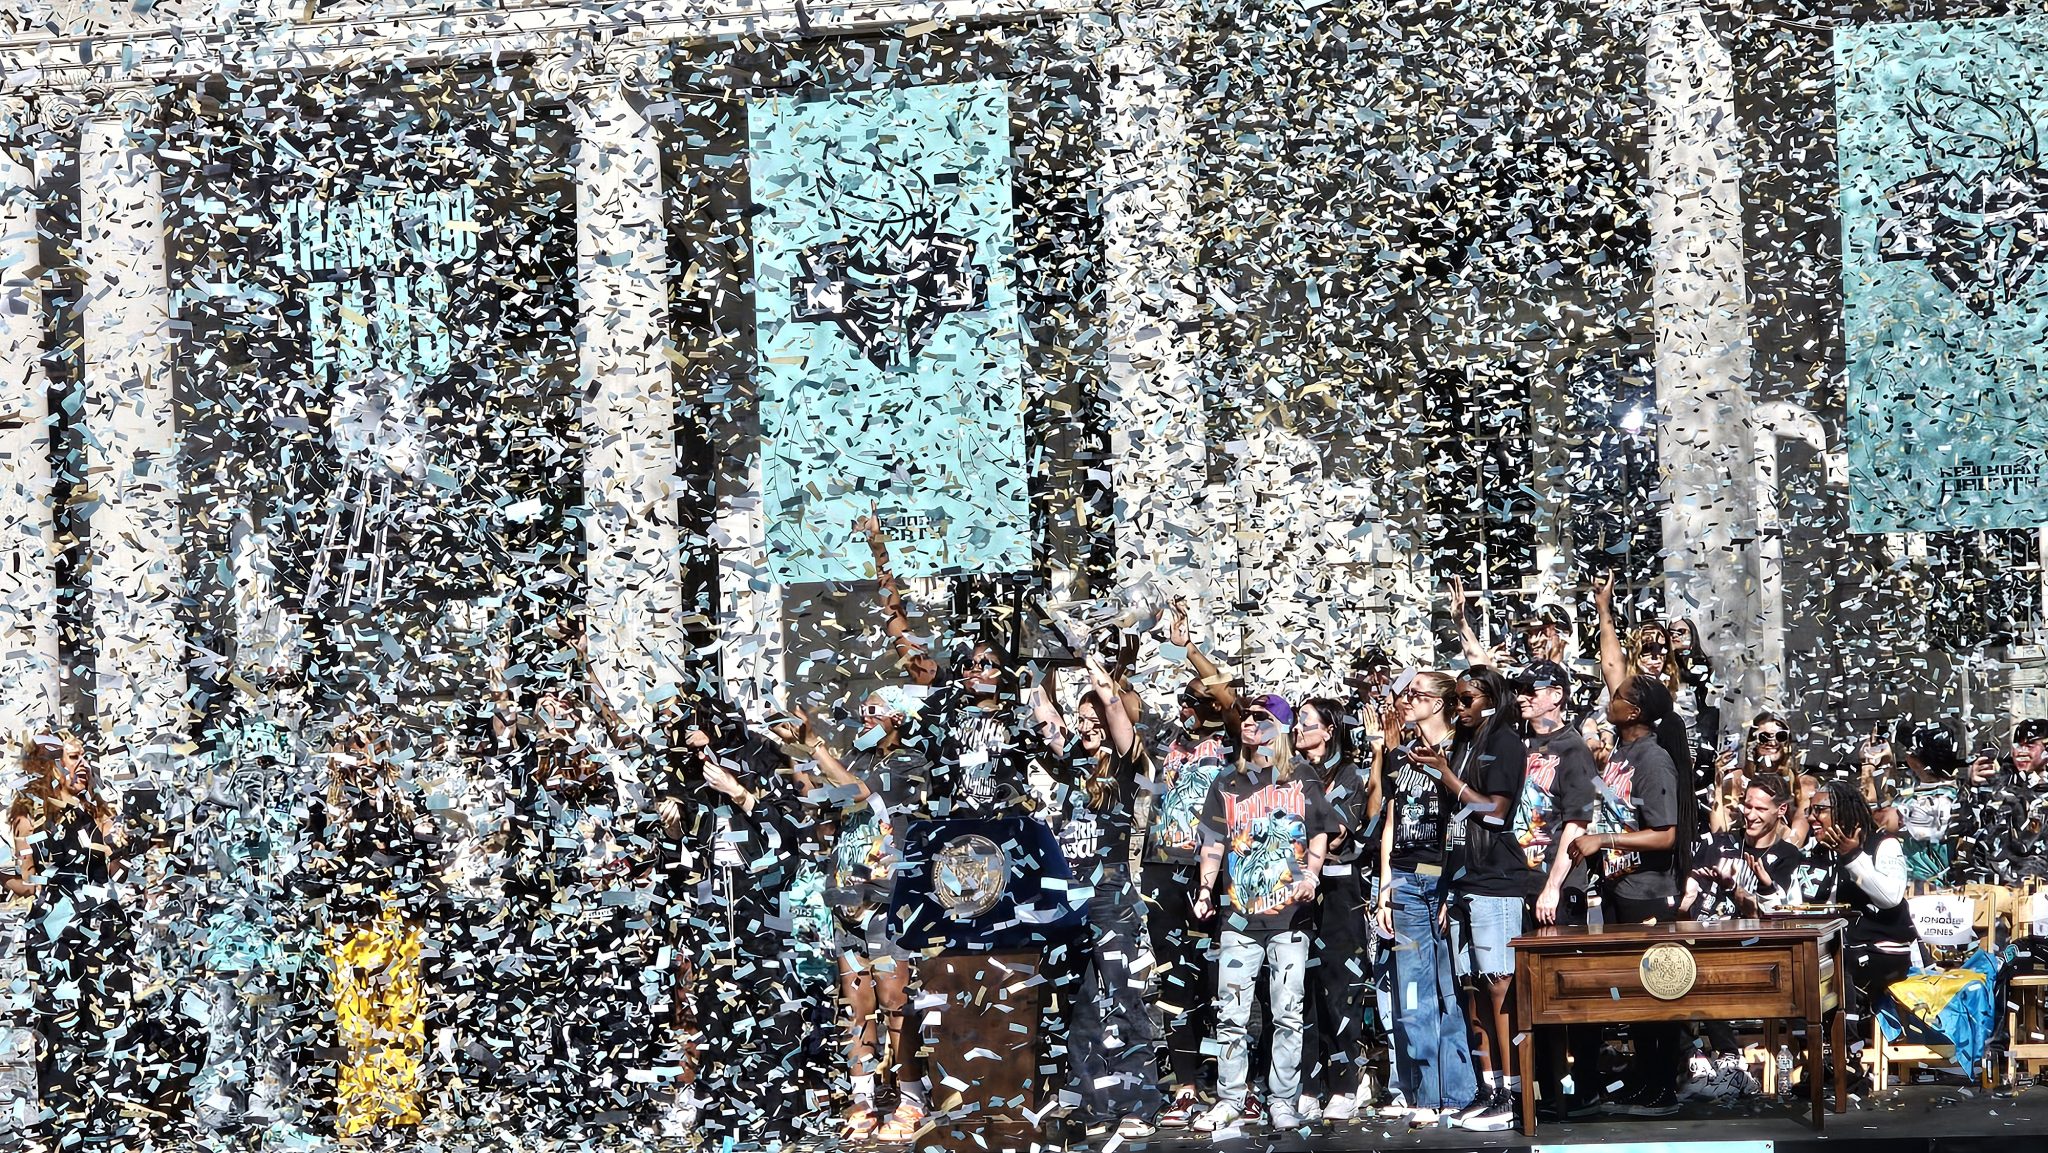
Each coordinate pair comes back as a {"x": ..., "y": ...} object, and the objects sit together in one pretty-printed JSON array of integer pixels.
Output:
[
  {"x": 1432, "y": 1054},
  {"x": 1642, "y": 827},
  {"x": 1857, "y": 864},
  {"x": 68, "y": 842},
  {"x": 1482, "y": 777},
  {"x": 1332, "y": 1059}
]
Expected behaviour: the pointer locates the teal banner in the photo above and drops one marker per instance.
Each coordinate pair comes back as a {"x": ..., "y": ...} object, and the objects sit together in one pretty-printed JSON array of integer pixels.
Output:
[
  {"x": 1944, "y": 234},
  {"x": 889, "y": 352}
]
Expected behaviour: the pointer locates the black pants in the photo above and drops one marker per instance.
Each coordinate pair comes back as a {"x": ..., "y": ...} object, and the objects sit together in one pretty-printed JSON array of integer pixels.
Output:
[
  {"x": 1660, "y": 1047},
  {"x": 1184, "y": 951},
  {"x": 1339, "y": 981},
  {"x": 1581, "y": 1043},
  {"x": 88, "y": 1043},
  {"x": 744, "y": 991}
]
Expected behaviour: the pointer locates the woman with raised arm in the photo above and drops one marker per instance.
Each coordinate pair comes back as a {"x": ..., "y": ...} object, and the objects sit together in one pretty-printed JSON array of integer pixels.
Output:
[
  {"x": 1641, "y": 831},
  {"x": 1186, "y": 755},
  {"x": 913, "y": 653},
  {"x": 382, "y": 854},
  {"x": 68, "y": 845},
  {"x": 878, "y": 789},
  {"x": 1112, "y": 1050}
]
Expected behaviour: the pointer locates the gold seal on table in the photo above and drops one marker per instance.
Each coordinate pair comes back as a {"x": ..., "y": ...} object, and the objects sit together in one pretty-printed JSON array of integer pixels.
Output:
[
  {"x": 969, "y": 875},
  {"x": 1668, "y": 971}
]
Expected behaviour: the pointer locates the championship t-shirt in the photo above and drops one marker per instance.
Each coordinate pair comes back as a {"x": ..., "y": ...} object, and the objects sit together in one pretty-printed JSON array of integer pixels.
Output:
[
  {"x": 1188, "y": 763},
  {"x": 1265, "y": 827},
  {"x": 1781, "y": 860},
  {"x": 1638, "y": 791},
  {"x": 1093, "y": 831},
  {"x": 1415, "y": 815}
]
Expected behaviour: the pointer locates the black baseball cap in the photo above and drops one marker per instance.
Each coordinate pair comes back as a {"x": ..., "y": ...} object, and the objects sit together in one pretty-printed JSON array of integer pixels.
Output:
[
  {"x": 1540, "y": 675},
  {"x": 1934, "y": 745},
  {"x": 2030, "y": 730}
]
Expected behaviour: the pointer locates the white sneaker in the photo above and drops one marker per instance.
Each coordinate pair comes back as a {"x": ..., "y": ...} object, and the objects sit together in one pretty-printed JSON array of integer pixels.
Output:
[
  {"x": 1217, "y": 1118},
  {"x": 1134, "y": 1127},
  {"x": 1282, "y": 1114},
  {"x": 680, "y": 1118},
  {"x": 1342, "y": 1107},
  {"x": 1419, "y": 1118},
  {"x": 1310, "y": 1109}
]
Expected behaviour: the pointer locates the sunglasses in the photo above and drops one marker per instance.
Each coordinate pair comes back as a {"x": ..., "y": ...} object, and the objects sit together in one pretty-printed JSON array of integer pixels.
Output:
[
  {"x": 1770, "y": 736},
  {"x": 1258, "y": 715},
  {"x": 873, "y": 711},
  {"x": 1471, "y": 698},
  {"x": 983, "y": 663},
  {"x": 1652, "y": 651},
  {"x": 1820, "y": 808}
]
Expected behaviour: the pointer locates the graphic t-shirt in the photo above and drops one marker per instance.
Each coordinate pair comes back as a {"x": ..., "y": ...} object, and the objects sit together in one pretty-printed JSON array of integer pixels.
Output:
[
  {"x": 1781, "y": 860},
  {"x": 1557, "y": 789},
  {"x": 1091, "y": 836},
  {"x": 1492, "y": 863},
  {"x": 1188, "y": 764},
  {"x": 865, "y": 857},
  {"x": 1415, "y": 818},
  {"x": 982, "y": 756},
  {"x": 1638, "y": 791},
  {"x": 1265, "y": 827}
]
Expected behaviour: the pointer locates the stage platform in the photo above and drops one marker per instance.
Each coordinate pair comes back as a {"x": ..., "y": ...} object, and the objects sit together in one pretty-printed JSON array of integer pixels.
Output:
[{"x": 1907, "y": 1119}]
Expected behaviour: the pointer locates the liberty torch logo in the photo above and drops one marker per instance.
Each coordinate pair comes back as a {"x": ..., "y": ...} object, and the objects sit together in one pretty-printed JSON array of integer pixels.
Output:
[
  {"x": 1977, "y": 217},
  {"x": 892, "y": 275}
]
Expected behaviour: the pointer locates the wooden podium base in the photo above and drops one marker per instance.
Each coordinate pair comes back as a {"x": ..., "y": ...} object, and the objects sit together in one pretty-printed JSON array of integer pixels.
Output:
[{"x": 979, "y": 1016}]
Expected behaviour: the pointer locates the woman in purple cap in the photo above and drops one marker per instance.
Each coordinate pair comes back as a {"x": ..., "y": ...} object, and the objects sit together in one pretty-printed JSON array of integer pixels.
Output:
[{"x": 1271, "y": 825}]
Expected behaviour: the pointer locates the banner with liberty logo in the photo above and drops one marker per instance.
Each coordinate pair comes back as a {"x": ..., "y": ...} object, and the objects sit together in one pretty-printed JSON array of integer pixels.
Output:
[
  {"x": 889, "y": 348},
  {"x": 1944, "y": 235}
]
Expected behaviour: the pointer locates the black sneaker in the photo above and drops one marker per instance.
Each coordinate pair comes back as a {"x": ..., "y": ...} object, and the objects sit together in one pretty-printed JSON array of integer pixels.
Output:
[
  {"x": 1654, "y": 1103},
  {"x": 1497, "y": 1115}
]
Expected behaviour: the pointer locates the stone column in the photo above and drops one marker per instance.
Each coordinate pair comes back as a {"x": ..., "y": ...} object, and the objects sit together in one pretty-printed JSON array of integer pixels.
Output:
[
  {"x": 1703, "y": 352},
  {"x": 1165, "y": 515},
  {"x": 131, "y": 446},
  {"x": 634, "y": 582},
  {"x": 28, "y": 625}
]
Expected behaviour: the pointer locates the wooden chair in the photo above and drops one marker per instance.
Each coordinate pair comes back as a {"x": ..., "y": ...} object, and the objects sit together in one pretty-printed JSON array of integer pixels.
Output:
[
  {"x": 1994, "y": 904},
  {"x": 2026, "y": 1001}
]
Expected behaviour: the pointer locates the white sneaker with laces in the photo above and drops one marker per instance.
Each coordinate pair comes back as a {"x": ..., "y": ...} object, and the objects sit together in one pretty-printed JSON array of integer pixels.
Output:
[
  {"x": 1217, "y": 1118},
  {"x": 1342, "y": 1107},
  {"x": 1133, "y": 1127},
  {"x": 1310, "y": 1109},
  {"x": 1282, "y": 1114}
]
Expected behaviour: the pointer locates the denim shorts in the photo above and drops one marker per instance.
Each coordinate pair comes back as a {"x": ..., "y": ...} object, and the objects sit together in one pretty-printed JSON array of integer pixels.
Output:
[{"x": 1481, "y": 928}]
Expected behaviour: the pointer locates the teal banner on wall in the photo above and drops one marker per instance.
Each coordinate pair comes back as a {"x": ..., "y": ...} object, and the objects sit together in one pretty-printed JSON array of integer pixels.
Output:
[
  {"x": 1944, "y": 235},
  {"x": 889, "y": 352}
]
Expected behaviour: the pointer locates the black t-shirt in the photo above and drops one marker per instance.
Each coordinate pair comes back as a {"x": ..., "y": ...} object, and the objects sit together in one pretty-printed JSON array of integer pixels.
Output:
[
  {"x": 1345, "y": 791},
  {"x": 981, "y": 756},
  {"x": 1780, "y": 859},
  {"x": 1415, "y": 815},
  {"x": 1265, "y": 827},
  {"x": 1491, "y": 863},
  {"x": 1558, "y": 788},
  {"x": 1638, "y": 791},
  {"x": 1092, "y": 835}
]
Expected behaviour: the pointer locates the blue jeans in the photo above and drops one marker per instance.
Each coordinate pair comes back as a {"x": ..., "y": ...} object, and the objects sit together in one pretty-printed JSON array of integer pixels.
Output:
[
  {"x": 1434, "y": 1061},
  {"x": 1284, "y": 957}
]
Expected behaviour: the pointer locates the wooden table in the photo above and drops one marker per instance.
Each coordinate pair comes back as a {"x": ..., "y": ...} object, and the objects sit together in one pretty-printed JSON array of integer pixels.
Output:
[{"x": 1593, "y": 975}]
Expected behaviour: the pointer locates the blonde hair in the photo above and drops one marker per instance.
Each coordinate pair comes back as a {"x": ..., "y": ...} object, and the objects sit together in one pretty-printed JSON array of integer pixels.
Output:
[
  {"x": 42, "y": 758},
  {"x": 1280, "y": 750}
]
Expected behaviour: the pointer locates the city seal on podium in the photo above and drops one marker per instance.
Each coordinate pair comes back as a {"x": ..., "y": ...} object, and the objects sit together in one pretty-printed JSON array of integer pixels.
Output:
[
  {"x": 969, "y": 875},
  {"x": 1668, "y": 971}
]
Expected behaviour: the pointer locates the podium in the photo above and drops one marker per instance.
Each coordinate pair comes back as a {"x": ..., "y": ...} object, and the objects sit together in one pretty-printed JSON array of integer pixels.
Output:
[{"x": 984, "y": 900}]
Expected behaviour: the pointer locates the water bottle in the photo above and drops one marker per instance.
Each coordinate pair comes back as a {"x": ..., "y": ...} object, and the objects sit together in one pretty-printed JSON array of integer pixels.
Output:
[{"x": 1785, "y": 1072}]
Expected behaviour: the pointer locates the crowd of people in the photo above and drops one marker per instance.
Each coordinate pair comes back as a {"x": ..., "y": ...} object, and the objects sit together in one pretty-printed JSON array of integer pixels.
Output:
[{"x": 1300, "y": 906}]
